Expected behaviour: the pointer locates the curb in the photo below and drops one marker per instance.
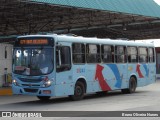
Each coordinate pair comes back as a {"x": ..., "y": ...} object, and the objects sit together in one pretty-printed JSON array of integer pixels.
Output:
[{"x": 5, "y": 91}]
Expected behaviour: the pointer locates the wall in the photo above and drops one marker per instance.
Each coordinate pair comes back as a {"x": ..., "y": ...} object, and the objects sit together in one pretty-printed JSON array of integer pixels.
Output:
[{"x": 5, "y": 62}]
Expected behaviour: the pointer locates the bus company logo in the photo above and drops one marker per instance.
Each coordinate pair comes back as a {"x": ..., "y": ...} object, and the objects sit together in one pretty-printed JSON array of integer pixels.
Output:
[
  {"x": 80, "y": 70},
  {"x": 6, "y": 114}
]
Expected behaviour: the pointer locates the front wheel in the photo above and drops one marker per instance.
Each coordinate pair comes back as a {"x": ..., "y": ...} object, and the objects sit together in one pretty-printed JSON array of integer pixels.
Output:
[
  {"x": 79, "y": 91},
  {"x": 43, "y": 98},
  {"x": 132, "y": 86}
]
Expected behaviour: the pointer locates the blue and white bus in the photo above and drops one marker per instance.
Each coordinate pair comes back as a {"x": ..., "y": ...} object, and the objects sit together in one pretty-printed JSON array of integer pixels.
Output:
[{"x": 59, "y": 65}]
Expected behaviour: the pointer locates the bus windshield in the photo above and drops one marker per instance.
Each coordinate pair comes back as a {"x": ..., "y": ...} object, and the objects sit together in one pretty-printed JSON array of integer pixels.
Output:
[{"x": 33, "y": 61}]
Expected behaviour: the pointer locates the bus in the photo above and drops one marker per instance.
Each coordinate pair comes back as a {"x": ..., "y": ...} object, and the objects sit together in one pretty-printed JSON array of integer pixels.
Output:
[{"x": 60, "y": 65}]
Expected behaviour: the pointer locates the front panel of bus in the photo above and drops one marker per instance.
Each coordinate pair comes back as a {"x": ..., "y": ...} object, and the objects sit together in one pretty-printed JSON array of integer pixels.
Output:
[{"x": 33, "y": 66}]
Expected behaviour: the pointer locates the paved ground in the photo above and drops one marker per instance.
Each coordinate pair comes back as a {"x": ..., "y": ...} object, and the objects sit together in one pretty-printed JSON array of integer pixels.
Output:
[{"x": 145, "y": 99}]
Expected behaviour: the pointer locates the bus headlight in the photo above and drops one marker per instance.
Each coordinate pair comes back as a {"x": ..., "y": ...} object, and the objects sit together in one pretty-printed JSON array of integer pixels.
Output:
[
  {"x": 15, "y": 82},
  {"x": 47, "y": 83}
]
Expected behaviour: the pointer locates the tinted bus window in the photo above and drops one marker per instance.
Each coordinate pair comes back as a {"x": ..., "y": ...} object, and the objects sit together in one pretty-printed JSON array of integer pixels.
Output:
[
  {"x": 132, "y": 54},
  {"x": 93, "y": 53},
  {"x": 120, "y": 54},
  {"x": 106, "y": 52},
  {"x": 143, "y": 54},
  {"x": 78, "y": 51},
  {"x": 151, "y": 54},
  {"x": 65, "y": 56}
]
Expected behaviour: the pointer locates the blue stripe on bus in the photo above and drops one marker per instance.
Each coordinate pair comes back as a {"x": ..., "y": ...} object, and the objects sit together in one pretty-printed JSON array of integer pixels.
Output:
[
  {"x": 146, "y": 69},
  {"x": 115, "y": 70}
]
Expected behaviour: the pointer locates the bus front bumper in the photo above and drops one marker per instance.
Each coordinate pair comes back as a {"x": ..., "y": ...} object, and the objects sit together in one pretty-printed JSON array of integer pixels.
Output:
[{"x": 48, "y": 91}]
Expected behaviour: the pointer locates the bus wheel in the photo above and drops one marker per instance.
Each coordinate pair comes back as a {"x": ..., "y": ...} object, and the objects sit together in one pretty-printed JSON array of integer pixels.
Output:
[
  {"x": 79, "y": 91},
  {"x": 43, "y": 98},
  {"x": 132, "y": 86}
]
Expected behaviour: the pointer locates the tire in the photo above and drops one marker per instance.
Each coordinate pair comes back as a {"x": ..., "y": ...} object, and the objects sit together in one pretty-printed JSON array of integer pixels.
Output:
[
  {"x": 43, "y": 98},
  {"x": 132, "y": 86},
  {"x": 79, "y": 91}
]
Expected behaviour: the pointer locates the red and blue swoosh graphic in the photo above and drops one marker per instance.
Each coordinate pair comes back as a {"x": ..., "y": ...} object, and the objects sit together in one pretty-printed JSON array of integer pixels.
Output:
[
  {"x": 146, "y": 69},
  {"x": 116, "y": 73},
  {"x": 99, "y": 76},
  {"x": 139, "y": 71},
  {"x": 103, "y": 83}
]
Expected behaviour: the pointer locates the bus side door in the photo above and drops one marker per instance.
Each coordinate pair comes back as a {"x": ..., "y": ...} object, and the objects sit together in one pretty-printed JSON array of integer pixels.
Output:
[
  {"x": 151, "y": 66},
  {"x": 63, "y": 70}
]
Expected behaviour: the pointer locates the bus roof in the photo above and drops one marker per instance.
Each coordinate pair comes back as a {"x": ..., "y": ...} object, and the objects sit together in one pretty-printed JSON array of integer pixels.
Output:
[{"x": 93, "y": 40}]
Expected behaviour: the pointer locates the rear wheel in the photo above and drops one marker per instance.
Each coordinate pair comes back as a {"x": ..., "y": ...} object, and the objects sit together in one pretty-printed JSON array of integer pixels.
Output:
[
  {"x": 79, "y": 91},
  {"x": 43, "y": 98},
  {"x": 132, "y": 86}
]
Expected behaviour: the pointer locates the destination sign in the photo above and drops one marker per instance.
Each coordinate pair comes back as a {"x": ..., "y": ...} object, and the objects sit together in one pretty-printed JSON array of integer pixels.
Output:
[{"x": 33, "y": 42}]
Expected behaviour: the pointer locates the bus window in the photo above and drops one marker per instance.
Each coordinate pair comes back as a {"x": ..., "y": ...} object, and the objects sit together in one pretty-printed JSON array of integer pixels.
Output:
[
  {"x": 93, "y": 53},
  {"x": 151, "y": 55},
  {"x": 143, "y": 54},
  {"x": 120, "y": 54},
  {"x": 78, "y": 51},
  {"x": 106, "y": 53},
  {"x": 63, "y": 58},
  {"x": 132, "y": 54}
]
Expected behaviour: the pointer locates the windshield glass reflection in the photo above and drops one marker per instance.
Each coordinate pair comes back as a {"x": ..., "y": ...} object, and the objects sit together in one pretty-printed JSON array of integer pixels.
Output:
[{"x": 33, "y": 61}]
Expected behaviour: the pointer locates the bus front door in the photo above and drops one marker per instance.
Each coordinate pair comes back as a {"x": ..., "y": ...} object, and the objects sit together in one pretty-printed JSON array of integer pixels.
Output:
[{"x": 63, "y": 71}]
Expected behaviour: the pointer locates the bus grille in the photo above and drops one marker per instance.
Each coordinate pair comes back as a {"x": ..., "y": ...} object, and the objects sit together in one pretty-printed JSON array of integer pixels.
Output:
[
  {"x": 29, "y": 85},
  {"x": 30, "y": 90},
  {"x": 30, "y": 80}
]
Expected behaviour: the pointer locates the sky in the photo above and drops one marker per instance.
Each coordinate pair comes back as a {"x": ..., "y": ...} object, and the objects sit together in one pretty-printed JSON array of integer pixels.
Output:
[
  {"x": 155, "y": 41},
  {"x": 157, "y": 1}
]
